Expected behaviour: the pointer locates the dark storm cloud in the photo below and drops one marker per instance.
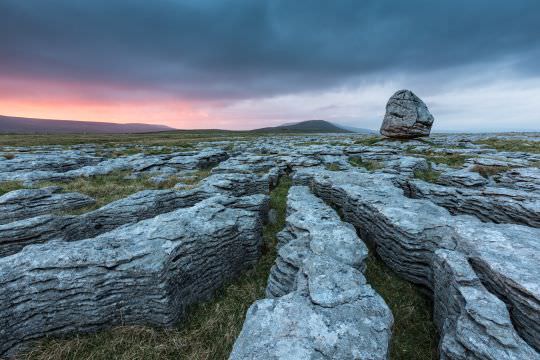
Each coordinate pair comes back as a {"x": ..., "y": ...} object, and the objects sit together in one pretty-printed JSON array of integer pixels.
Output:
[{"x": 238, "y": 49}]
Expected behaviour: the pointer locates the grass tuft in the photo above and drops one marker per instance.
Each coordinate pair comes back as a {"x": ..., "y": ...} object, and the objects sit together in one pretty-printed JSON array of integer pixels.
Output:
[
  {"x": 428, "y": 175},
  {"x": 369, "y": 165},
  {"x": 368, "y": 141},
  {"x": 414, "y": 335},
  {"x": 332, "y": 167},
  {"x": 115, "y": 186},
  {"x": 209, "y": 331},
  {"x": 452, "y": 160},
  {"x": 487, "y": 171},
  {"x": 511, "y": 145},
  {"x": 7, "y": 186}
]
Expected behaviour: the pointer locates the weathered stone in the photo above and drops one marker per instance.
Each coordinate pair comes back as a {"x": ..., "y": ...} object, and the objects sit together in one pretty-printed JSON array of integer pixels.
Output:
[
  {"x": 408, "y": 232},
  {"x": 526, "y": 179},
  {"x": 144, "y": 273},
  {"x": 312, "y": 227},
  {"x": 474, "y": 322},
  {"x": 26, "y": 203},
  {"x": 134, "y": 208},
  {"x": 406, "y": 116},
  {"x": 491, "y": 204},
  {"x": 325, "y": 309},
  {"x": 462, "y": 178}
]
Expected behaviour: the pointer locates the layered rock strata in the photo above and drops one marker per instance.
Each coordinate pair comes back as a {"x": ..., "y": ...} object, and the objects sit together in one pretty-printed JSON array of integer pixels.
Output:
[
  {"x": 26, "y": 203},
  {"x": 145, "y": 273},
  {"x": 325, "y": 309},
  {"x": 136, "y": 207},
  {"x": 408, "y": 232},
  {"x": 490, "y": 204}
]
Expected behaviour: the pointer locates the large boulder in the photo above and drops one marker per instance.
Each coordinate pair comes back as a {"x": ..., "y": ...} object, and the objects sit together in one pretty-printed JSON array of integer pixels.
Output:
[{"x": 406, "y": 116}]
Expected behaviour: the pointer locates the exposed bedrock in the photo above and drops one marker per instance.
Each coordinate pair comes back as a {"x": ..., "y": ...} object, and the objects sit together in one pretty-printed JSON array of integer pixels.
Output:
[
  {"x": 406, "y": 116},
  {"x": 312, "y": 227},
  {"x": 35, "y": 171},
  {"x": 408, "y": 232},
  {"x": 26, "y": 203},
  {"x": 475, "y": 323},
  {"x": 325, "y": 309},
  {"x": 136, "y": 207},
  {"x": 59, "y": 161},
  {"x": 527, "y": 179},
  {"x": 490, "y": 204},
  {"x": 144, "y": 273}
]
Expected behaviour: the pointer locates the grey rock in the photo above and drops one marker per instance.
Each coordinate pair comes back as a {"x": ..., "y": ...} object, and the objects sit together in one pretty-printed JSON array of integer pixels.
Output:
[
  {"x": 526, "y": 179},
  {"x": 328, "y": 319},
  {"x": 144, "y": 273},
  {"x": 136, "y": 207},
  {"x": 406, "y": 116},
  {"x": 474, "y": 323},
  {"x": 462, "y": 178},
  {"x": 26, "y": 203},
  {"x": 272, "y": 216},
  {"x": 408, "y": 232},
  {"x": 491, "y": 204},
  {"x": 311, "y": 227},
  {"x": 325, "y": 309}
]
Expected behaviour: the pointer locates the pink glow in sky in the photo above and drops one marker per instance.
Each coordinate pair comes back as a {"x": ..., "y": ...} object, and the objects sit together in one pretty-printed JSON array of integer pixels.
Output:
[{"x": 243, "y": 64}]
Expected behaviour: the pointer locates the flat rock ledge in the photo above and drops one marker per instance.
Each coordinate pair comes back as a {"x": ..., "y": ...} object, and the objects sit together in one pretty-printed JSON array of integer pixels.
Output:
[
  {"x": 27, "y": 203},
  {"x": 145, "y": 273},
  {"x": 325, "y": 308},
  {"x": 490, "y": 204},
  {"x": 136, "y": 207},
  {"x": 483, "y": 276}
]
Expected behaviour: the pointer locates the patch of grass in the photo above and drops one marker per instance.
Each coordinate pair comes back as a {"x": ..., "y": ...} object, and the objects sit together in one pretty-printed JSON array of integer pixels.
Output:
[
  {"x": 368, "y": 141},
  {"x": 108, "y": 188},
  {"x": 209, "y": 331},
  {"x": 8, "y": 156},
  {"x": 7, "y": 186},
  {"x": 414, "y": 335},
  {"x": 166, "y": 138},
  {"x": 310, "y": 143},
  {"x": 428, "y": 175},
  {"x": 198, "y": 176},
  {"x": 332, "y": 167},
  {"x": 487, "y": 171},
  {"x": 511, "y": 145},
  {"x": 452, "y": 160},
  {"x": 369, "y": 165}
]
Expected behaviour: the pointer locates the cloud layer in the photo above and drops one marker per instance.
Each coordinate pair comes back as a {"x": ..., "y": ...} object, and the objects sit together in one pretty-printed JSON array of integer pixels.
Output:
[{"x": 218, "y": 59}]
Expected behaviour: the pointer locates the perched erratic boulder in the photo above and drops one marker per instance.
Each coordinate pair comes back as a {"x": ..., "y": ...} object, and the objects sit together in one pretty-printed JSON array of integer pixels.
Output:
[{"x": 406, "y": 116}]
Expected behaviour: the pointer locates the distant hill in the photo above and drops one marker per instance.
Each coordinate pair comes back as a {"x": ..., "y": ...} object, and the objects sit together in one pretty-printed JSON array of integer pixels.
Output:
[
  {"x": 21, "y": 125},
  {"x": 309, "y": 126},
  {"x": 357, "y": 129}
]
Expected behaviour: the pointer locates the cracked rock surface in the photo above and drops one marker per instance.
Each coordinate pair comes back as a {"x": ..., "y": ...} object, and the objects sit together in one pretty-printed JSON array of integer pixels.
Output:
[
  {"x": 145, "y": 273},
  {"x": 457, "y": 214},
  {"x": 408, "y": 233},
  {"x": 406, "y": 116},
  {"x": 27, "y": 203},
  {"x": 320, "y": 306}
]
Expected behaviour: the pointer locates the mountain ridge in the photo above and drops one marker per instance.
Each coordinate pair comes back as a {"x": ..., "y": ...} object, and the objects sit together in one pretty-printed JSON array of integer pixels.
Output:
[{"x": 23, "y": 125}]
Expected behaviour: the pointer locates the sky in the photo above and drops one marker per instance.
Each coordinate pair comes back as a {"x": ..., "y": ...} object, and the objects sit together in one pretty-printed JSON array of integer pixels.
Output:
[{"x": 244, "y": 64}]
